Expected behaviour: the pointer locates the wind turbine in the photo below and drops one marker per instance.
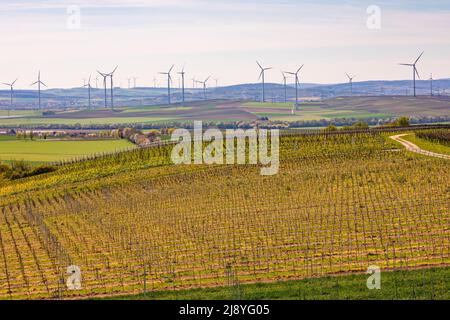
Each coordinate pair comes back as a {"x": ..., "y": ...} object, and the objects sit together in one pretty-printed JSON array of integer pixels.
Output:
[
  {"x": 135, "y": 82},
  {"x": 285, "y": 86},
  {"x": 194, "y": 81},
  {"x": 204, "y": 87},
  {"x": 350, "y": 79},
  {"x": 154, "y": 82},
  {"x": 112, "y": 87},
  {"x": 105, "y": 76},
  {"x": 413, "y": 65},
  {"x": 88, "y": 85},
  {"x": 262, "y": 76},
  {"x": 297, "y": 82},
  {"x": 96, "y": 82},
  {"x": 182, "y": 73},
  {"x": 431, "y": 84},
  {"x": 39, "y": 82},
  {"x": 217, "y": 82},
  {"x": 129, "y": 82},
  {"x": 11, "y": 85},
  {"x": 169, "y": 79}
]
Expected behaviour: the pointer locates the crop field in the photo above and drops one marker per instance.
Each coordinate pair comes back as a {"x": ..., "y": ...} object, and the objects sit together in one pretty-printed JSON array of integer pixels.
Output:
[
  {"x": 222, "y": 111},
  {"x": 306, "y": 111},
  {"x": 395, "y": 105},
  {"x": 54, "y": 151},
  {"x": 340, "y": 204},
  {"x": 230, "y": 111}
]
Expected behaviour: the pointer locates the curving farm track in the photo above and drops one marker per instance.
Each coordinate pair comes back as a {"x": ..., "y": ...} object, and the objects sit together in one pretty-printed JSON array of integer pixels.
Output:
[{"x": 414, "y": 148}]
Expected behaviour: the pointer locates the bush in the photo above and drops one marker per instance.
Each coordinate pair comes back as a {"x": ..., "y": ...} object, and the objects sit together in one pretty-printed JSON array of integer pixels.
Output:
[
  {"x": 441, "y": 136},
  {"x": 402, "y": 122},
  {"x": 4, "y": 168},
  {"x": 20, "y": 169},
  {"x": 331, "y": 128},
  {"x": 41, "y": 170}
]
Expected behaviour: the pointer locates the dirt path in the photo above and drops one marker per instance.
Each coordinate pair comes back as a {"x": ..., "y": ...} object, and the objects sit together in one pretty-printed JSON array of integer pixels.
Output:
[{"x": 413, "y": 148}]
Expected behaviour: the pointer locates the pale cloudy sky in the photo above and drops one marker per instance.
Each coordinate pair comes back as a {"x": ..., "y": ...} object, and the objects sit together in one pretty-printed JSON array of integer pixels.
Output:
[{"x": 222, "y": 38}]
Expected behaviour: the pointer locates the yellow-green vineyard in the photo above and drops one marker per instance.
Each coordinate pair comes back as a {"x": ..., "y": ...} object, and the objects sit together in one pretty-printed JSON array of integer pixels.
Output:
[{"x": 339, "y": 204}]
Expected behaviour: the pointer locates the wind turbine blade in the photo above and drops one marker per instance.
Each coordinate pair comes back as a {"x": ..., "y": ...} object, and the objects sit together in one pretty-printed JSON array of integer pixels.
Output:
[
  {"x": 14, "y": 82},
  {"x": 170, "y": 70},
  {"x": 207, "y": 79},
  {"x": 33, "y": 83},
  {"x": 300, "y": 68},
  {"x": 89, "y": 79},
  {"x": 114, "y": 70},
  {"x": 259, "y": 65},
  {"x": 406, "y": 64},
  {"x": 260, "y": 75},
  {"x": 43, "y": 84},
  {"x": 6, "y": 84},
  {"x": 419, "y": 57},
  {"x": 268, "y": 68},
  {"x": 348, "y": 76},
  {"x": 417, "y": 72}
]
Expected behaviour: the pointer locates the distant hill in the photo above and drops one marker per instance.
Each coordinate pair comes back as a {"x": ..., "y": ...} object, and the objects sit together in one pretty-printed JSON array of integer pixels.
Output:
[{"x": 77, "y": 97}]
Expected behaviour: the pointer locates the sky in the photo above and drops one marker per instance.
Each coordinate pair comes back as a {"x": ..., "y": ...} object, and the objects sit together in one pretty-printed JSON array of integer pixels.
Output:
[{"x": 70, "y": 40}]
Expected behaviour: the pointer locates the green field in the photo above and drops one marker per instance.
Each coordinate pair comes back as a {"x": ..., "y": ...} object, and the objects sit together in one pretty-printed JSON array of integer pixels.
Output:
[
  {"x": 64, "y": 121},
  {"x": 425, "y": 284},
  {"x": 52, "y": 151},
  {"x": 20, "y": 113},
  {"x": 306, "y": 112}
]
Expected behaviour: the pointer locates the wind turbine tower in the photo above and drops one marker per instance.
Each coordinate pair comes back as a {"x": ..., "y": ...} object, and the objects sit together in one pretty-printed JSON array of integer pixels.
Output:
[
  {"x": 112, "y": 86},
  {"x": 204, "y": 87},
  {"x": 350, "y": 79},
  {"x": 88, "y": 85},
  {"x": 105, "y": 76},
  {"x": 169, "y": 79},
  {"x": 262, "y": 76},
  {"x": 297, "y": 82},
  {"x": 11, "y": 85},
  {"x": 415, "y": 72},
  {"x": 182, "y": 73},
  {"x": 285, "y": 86},
  {"x": 431, "y": 85},
  {"x": 39, "y": 83}
]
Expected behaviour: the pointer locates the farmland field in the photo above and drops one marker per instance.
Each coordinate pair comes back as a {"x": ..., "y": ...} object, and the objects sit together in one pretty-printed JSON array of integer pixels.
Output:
[
  {"x": 53, "y": 151},
  {"x": 340, "y": 203},
  {"x": 395, "y": 105},
  {"x": 428, "y": 284},
  {"x": 232, "y": 111}
]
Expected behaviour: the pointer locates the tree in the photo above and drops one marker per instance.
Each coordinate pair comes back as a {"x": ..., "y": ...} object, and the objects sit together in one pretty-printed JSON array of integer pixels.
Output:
[{"x": 403, "y": 122}]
